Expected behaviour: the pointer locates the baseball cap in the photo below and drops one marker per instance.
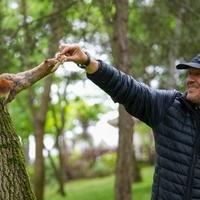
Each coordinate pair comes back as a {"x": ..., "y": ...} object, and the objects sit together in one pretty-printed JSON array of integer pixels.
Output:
[{"x": 194, "y": 63}]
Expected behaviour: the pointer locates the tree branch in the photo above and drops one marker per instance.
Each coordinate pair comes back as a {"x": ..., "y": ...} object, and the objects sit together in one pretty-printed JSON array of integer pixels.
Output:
[{"x": 20, "y": 81}]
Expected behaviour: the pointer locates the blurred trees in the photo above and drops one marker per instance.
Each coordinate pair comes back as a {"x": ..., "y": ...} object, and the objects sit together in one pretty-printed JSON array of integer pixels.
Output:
[
  {"x": 164, "y": 34},
  {"x": 158, "y": 34}
]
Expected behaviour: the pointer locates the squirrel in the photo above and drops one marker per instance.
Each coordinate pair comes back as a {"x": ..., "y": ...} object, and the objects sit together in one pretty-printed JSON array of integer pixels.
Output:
[{"x": 5, "y": 87}]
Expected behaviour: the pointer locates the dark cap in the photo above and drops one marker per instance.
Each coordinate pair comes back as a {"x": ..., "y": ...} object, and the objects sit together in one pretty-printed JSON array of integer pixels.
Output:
[{"x": 194, "y": 63}]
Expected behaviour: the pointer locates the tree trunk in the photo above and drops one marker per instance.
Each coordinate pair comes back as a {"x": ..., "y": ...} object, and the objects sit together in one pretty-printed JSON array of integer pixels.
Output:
[
  {"x": 58, "y": 174},
  {"x": 119, "y": 41},
  {"x": 15, "y": 184},
  {"x": 60, "y": 171},
  {"x": 136, "y": 175},
  {"x": 39, "y": 124},
  {"x": 60, "y": 140},
  {"x": 39, "y": 163},
  {"x": 62, "y": 155},
  {"x": 151, "y": 154},
  {"x": 124, "y": 160},
  {"x": 173, "y": 54},
  {"x": 25, "y": 147},
  {"x": 121, "y": 55},
  {"x": 62, "y": 163},
  {"x": 56, "y": 26}
]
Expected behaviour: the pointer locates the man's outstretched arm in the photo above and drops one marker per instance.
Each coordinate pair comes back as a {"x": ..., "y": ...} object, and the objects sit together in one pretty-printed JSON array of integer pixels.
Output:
[{"x": 141, "y": 101}]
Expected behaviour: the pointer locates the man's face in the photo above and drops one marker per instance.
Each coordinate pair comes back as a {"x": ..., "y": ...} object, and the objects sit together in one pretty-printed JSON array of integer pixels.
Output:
[{"x": 193, "y": 85}]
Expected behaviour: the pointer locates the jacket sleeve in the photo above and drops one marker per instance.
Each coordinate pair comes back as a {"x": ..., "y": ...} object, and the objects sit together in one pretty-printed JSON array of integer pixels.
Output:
[{"x": 147, "y": 104}]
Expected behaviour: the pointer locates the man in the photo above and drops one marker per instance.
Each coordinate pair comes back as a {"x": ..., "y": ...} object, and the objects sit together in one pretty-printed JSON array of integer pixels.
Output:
[{"x": 173, "y": 116}]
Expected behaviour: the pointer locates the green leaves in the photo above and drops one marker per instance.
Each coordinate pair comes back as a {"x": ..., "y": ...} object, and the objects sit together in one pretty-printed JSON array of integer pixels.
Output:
[{"x": 158, "y": 31}]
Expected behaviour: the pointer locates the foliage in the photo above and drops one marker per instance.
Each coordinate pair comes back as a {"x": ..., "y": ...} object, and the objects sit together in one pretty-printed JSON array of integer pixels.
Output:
[
  {"x": 159, "y": 31},
  {"x": 105, "y": 165},
  {"x": 77, "y": 112},
  {"x": 87, "y": 114},
  {"x": 80, "y": 166},
  {"x": 151, "y": 32},
  {"x": 23, "y": 121}
]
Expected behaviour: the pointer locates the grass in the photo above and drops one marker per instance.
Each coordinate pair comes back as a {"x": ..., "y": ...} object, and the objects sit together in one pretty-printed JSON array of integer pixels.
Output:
[
  {"x": 142, "y": 190},
  {"x": 101, "y": 188}
]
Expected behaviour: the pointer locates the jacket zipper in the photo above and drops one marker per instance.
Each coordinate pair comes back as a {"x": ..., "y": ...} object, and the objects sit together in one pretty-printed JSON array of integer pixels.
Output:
[
  {"x": 191, "y": 174},
  {"x": 194, "y": 158},
  {"x": 196, "y": 114}
]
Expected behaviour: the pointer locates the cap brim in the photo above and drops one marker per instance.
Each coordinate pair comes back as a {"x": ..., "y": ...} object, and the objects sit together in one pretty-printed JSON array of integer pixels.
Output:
[{"x": 188, "y": 65}]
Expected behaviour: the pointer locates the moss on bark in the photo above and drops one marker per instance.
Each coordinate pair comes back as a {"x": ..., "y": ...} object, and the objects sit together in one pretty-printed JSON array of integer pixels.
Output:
[{"x": 15, "y": 184}]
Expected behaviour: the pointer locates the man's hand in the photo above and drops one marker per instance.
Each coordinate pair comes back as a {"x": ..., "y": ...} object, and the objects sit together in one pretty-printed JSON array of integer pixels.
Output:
[
  {"x": 71, "y": 52},
  {"x": 74, "y": 53}
]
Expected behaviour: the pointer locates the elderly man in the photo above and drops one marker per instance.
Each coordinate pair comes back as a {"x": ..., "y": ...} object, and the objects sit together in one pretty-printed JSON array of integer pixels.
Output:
[{"x": 173, "y": 116}]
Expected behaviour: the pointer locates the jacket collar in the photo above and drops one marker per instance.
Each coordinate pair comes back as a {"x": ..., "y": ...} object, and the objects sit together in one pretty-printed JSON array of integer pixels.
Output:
[{"x": 191, "y": 106}]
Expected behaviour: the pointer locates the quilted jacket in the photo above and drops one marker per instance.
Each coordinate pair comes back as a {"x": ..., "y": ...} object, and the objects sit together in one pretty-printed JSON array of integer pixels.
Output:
[{"x": 176, "y": 126}]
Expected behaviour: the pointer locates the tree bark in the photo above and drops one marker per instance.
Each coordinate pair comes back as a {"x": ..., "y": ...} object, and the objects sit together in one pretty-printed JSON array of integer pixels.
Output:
[
  {"x": 173, "y": 53},
  {"x": 60, "y": 140},
  {"x": 136, "y": 175},
  {"x": 39, "y": 125},
  {"x": 58, "y": 174},
  {"x": 12, "y": 84},
  {"x": 121, "y": 55},
  {"x": 120, "y": 51},
  {"x": 124, "y": 160},
  {"x": 15, "y": 184},
  {"x": 26, "y": 149},
  {"x": 62, "y": 163},
  {"x": 57, "y": 30}
]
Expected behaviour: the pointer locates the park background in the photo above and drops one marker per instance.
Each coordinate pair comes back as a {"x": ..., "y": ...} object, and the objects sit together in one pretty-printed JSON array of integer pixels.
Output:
[{"x": 78, "y": 143}]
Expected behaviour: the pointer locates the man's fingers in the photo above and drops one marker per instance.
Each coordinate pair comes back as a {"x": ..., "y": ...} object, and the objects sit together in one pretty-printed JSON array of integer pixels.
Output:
[
  {"x": 61, "y": 47},
  {"x": 64, "y": 50},
  {"x": 68, "y": 48},
  {"x": 71, "y": 58},
  {"x": 63, "y": 58},
  {"x": 70, "y": 52}
]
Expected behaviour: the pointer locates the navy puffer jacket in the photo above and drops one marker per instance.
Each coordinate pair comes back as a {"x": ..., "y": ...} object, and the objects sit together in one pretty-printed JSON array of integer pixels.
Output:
[{"x": 175, "y": 123}]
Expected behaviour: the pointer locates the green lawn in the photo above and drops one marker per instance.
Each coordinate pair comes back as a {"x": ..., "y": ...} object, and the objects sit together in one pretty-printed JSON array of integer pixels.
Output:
[{"x": 101, "y": 188}]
